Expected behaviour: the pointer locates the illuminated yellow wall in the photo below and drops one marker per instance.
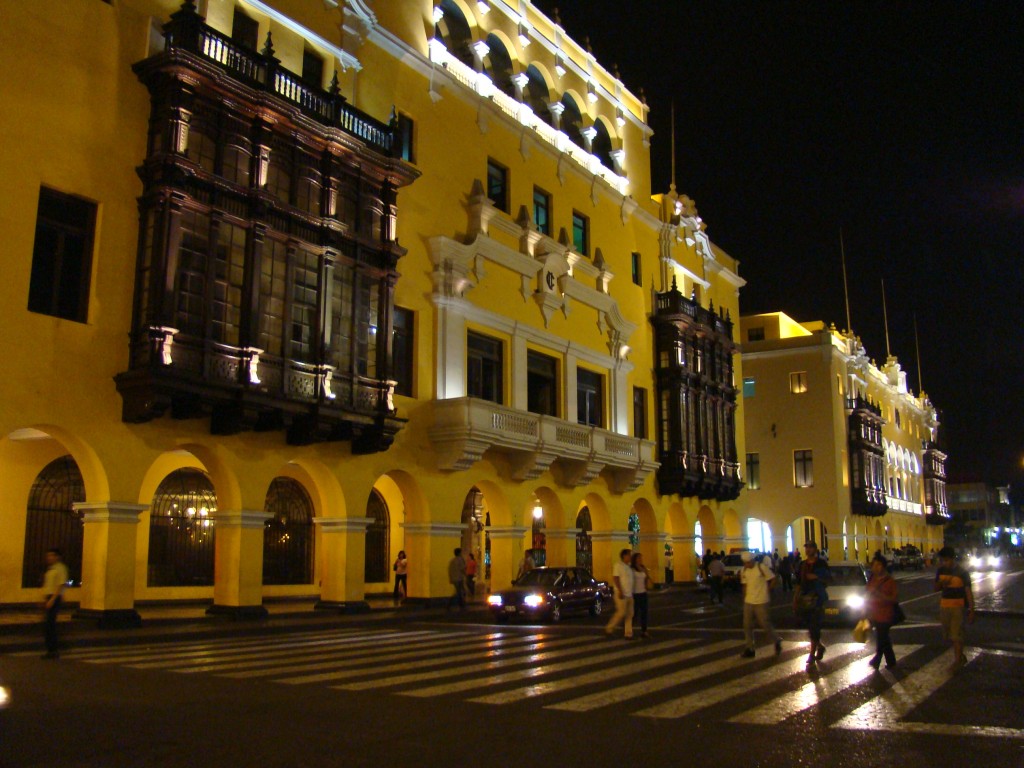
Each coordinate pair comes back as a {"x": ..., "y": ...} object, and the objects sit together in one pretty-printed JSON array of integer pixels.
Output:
[{"x": 80, "y": 127}]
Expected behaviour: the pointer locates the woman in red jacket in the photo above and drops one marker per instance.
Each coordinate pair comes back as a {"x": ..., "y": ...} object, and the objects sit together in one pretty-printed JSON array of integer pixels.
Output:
[{"x": 880, "y": 608}]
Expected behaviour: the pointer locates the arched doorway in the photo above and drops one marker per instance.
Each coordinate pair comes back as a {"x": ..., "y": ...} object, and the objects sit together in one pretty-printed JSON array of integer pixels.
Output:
[
  {"x": 584, "y": 544},
  {"x": 538, "y": 538},
  {"x": 181, "y": 530},
  {"x": 475, "y": 539},
  {"x": 52, "y": 521},
  {"x": 759, "y": 535},
  {"x": 377, "y": 553},
  {"x": 288, "y": 534}
]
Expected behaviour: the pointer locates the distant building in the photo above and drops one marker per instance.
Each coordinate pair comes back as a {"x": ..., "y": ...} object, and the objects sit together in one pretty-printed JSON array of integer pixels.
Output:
[
  {"x": 291, "y": 285},
  {"x": 981, "y": 516},
  {"x": 839, "y": 449}
]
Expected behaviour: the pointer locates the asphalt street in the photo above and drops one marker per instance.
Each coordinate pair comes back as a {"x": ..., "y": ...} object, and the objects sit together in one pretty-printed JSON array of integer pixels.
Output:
[{"x": 431, "y": 688}]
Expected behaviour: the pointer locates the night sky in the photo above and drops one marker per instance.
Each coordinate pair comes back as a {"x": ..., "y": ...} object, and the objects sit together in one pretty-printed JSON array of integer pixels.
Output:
[{"x": 901, "y": 124}]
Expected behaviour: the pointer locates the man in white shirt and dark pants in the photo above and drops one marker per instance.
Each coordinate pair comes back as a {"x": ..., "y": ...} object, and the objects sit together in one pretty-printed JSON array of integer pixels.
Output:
[
  {"x": 622, "y": 578},
  {"x": 757, "y": 579},
  {"x": 54, "y": 581}
]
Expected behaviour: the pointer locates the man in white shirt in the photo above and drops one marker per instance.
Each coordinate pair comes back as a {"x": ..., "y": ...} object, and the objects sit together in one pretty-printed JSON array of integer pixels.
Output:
[
  {"x": 54, "y": 581},
  {"x": 622, "y": 578},
  {"x": 757, "y": 579}
]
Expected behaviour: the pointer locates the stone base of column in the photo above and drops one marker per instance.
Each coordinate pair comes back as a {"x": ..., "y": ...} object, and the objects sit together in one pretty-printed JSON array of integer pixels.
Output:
[
  {"x": 123, "y": 618},
  {"x": 429, "y": 602},
  {"x": 342, "y": 606},
  {"x": 238, "y": 612}
]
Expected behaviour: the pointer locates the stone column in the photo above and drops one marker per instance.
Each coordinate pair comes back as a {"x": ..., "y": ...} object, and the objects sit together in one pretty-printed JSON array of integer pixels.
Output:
[
  {"x": 684, "y": 558},
  {"x": 507, "y": 551},
  {"x": 561, "y": 545},
  {"x": 343, "y": 559},
  {"x": 238, "y": 563},
  {"x": 607, "y": 545},
  {"x": 429, "y": 547},
  {"x": 108, "y": 563},
  {"x": 652, "y": 546}
]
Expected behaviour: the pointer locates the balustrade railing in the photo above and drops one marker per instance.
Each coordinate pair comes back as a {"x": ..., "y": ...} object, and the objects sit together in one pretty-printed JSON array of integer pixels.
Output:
[{"x": 188, "y": 32}]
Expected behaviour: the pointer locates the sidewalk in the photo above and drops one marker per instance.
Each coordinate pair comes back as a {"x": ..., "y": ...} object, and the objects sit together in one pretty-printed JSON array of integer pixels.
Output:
[{"x": 22, "y": 629}]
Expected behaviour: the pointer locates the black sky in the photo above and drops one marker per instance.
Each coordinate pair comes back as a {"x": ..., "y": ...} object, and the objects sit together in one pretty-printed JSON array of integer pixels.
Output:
[{"x": 900, "y": 123}]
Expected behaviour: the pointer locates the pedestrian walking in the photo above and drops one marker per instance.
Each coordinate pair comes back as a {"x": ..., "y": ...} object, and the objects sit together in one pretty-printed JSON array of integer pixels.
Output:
[
  {"x": 880, "y": 609},
  {"x": 955, "y": 584},
  {"x": 642, "y": 582},
  {"x": 716, "y": 575},
  {"x": 471, "y": 576},
  {"x": 401, "y": 569},
  {"x": 786, "y": 573},
  {"x": 622, "y": 578},
  {"x": 810, "y": 597},
  {"x": 54, "y": 582},
  {"x": 705, "y": 563},
  {"x": 757, "y": 579},
  {"x": 457, "y": 578}
]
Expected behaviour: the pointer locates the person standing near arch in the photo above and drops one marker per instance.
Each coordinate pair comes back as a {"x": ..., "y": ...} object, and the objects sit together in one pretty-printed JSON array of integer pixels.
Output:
[
  {"x": 401, "y": 569},
  {"x": 54, "y": 582}
]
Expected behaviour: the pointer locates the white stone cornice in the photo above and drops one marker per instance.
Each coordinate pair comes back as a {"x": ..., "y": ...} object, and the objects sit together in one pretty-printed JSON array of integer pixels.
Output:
[
  {"x": 507, "y": 532},
  {"x": 443, "y": 530},
  {"x": 243, "y": 518},
  {"x": 343, "y": 524},
  {"x": 348, "y": 61},
  {"x": 109, "y": 511}
]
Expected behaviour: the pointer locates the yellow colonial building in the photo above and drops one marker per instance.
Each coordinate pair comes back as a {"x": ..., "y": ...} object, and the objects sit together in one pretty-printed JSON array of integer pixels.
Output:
[
  {"x": 839, "y": 450},
  {"x": 292, "y": 286}
]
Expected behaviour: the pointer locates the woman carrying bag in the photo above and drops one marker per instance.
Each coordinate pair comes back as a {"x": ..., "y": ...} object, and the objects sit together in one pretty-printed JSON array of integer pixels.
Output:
[{"x": 881, "y": 603}]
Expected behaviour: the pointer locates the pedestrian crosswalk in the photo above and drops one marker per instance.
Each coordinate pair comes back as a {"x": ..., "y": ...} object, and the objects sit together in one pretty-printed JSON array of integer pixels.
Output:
[{"x": 670, "y": 679}]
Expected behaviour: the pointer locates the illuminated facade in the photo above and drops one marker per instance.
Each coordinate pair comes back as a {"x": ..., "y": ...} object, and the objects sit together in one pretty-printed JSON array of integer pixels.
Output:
[
  {"x": 839, "y": 450},
  {"x": 293, "y": 286}
]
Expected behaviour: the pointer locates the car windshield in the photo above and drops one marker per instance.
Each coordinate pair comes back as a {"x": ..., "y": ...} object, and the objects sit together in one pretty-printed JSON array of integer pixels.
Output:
[
  {"x": 538, "y": 578},
  {"x": 847, "y": 576}
]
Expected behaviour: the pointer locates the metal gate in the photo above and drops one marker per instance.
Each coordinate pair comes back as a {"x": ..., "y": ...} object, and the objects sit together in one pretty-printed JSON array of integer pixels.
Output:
[
  {"x": 52, "y": 522},
  {"x": 288, "y": 535},
  {"x": 181, "y": 531},
  {"x": 376, "y": 569}
]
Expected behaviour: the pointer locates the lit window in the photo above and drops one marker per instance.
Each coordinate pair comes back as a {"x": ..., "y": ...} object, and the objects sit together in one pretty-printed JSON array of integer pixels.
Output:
[
  {"x": 542, "y": 211},
  {"x": 803, "y": 469},
  {"x": 497, "y": 185},
  {"x": 753, "y": 471},
  {"x": 589, "y": 398},
  {"x": 581, "y": 233},
  {"x": 749, "y": 386},
  {"x": 798, "y": 382}
]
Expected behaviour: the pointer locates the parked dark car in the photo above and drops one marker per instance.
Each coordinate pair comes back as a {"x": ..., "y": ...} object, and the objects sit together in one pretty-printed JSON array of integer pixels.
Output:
[{"x": 549, "y": 593}]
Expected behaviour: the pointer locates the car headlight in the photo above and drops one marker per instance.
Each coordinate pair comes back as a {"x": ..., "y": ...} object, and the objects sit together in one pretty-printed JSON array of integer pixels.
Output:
[
  {"x": 494, "y": 600},
  {"x": 855, "y": 602},
  {"x": 534, "y": 600},
  {"x": 5, "y": 696},
  {"x": 976, "y": 561},
  {"x": 993, "y": 561}
]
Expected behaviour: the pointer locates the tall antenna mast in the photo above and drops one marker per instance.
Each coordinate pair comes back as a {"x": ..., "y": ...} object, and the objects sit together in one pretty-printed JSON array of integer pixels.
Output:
[
  {"x": 885, "y": 317},
  {"x": 846, "y": 289},
  {"x": 672, "y": 137},
  {"x": 917, "y": 347}
]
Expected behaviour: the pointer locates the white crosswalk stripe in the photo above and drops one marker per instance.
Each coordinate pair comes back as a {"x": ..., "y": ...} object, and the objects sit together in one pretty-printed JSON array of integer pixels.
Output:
[
  {"x": 574, "y": 673},
  {"x": 815, "y": 692}
]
